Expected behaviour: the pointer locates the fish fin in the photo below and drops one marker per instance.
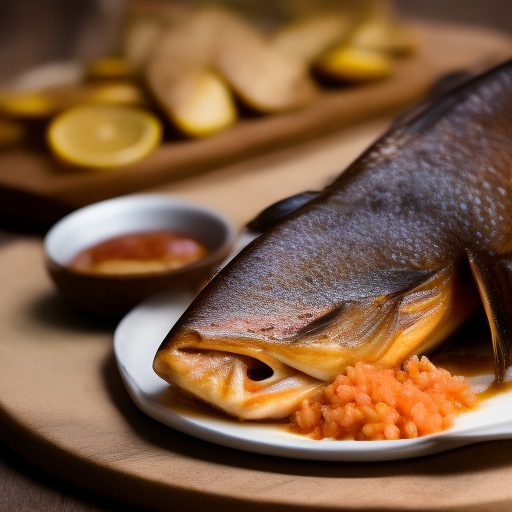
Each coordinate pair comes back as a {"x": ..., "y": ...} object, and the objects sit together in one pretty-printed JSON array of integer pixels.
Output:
[
  {"x": 430, "y": 312},
  {"x": 443, "y": 86},
  {"x": 360, "y": 329},
  {"x": 387, "y": 329},
  {"x": 276, "y": 212},
  {"x": 493, "y": 277}
]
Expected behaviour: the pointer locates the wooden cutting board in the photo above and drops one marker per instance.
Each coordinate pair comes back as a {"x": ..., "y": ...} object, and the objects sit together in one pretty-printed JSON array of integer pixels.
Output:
[
  {"x": 34, "y": 187},
  {"x": 63, "y": 405}
]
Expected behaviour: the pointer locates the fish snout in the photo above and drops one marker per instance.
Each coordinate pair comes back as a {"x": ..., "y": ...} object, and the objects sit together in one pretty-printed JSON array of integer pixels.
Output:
[{"x": 238, "y": 376}]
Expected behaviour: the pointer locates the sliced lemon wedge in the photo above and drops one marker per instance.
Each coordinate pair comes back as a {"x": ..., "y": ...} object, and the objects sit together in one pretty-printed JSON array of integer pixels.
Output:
[
  {"x": 118, "y": 92},
  {"x": 104, "y": 136},
  {"x": 109, "y": 68},
  {"x": 351, "y": 64},
  {"x": 26, "y": 105}
]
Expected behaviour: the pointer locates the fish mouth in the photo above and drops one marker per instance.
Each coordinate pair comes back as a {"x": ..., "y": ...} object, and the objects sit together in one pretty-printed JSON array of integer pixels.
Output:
[{"x": 247, "y": 383}]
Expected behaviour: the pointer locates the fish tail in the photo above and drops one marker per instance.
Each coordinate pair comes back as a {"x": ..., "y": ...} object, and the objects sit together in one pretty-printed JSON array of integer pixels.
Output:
[{"x": 493, "y": 277}]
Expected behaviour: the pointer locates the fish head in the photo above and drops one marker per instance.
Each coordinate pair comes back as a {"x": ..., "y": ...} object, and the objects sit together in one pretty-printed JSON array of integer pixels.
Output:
[
  {"x": 302, "y": 303},
  {"x": 254, "y": 357},
  {"x": 370, "y": 270},
  {"x": 235, "y": 371}
]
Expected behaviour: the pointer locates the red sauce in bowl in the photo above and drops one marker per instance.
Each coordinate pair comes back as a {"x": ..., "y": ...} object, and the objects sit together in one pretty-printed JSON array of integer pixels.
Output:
[{"x": 137, "y": 253}]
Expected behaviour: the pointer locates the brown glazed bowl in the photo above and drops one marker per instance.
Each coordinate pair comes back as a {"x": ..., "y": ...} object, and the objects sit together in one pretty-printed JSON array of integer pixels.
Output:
[{"x": 111, "y": 296}]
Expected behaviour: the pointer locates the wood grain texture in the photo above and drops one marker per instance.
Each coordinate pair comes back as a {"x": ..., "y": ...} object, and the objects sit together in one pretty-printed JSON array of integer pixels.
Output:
[
  {"x": 63, "y": 405},
  {"x": 34, "y": 187}
]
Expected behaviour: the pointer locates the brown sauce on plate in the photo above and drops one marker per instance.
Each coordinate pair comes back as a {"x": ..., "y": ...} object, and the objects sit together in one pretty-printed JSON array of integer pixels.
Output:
[
  {"x": 135, "y": 253},
  {"x": 474, "y": 365}
]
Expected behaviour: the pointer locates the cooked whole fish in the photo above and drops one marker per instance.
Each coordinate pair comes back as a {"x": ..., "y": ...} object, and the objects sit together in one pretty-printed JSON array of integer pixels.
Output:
[{"x": 384, "y": 263}]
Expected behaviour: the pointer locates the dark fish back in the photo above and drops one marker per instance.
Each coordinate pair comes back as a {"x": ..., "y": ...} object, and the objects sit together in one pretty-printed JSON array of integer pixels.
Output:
[{"x": 430, "y": 191}]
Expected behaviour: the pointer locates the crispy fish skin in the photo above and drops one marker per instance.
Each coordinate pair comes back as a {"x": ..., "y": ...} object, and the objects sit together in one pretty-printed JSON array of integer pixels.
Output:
[{"x": 386, "y": 262}]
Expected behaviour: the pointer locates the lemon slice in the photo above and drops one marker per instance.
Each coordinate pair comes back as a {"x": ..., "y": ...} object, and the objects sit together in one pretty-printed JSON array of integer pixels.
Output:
[
  {"x": 121, "y": 93},
  {"x": 104, "y": 136},
  {"x": 26, "y": 105},
  {"x": 352, "y": 64},
  {"x": 108, "y": 68},
  {"x": 383, "y": 35}
]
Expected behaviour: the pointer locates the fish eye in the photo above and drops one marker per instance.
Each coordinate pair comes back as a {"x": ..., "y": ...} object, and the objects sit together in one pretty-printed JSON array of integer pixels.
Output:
[{"x": 260, "y": 372}]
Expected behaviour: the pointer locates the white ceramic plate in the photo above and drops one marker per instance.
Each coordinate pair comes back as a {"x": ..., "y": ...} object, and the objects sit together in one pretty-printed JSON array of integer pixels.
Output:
[{"x": 138, "y": 337}]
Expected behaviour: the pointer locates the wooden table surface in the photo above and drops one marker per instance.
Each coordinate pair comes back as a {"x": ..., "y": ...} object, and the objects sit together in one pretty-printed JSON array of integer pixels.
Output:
[
  {"x": 24, "y": 487},
  {"x": 475, "y": 478}
]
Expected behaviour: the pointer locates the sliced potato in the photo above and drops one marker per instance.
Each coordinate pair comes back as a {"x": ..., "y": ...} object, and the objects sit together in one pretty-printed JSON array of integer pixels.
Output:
[
  {"x": 27, "y": 105},
  {"x": 261, "y": 76},
  {"x": 139, "y": 40},
  {"x": 144, "y": 26},
  {"x": 382, "y": 34},
  {"x": 119, "y": 92},
  {"x": 308, "y": 38},
  {"x": 350, "y": 64},
  {"x": 208, "y": 107},
  {"x": 214, "y": 39},
  {"x": 180, "y": 75},
  {"x": 190, "y": 43}
]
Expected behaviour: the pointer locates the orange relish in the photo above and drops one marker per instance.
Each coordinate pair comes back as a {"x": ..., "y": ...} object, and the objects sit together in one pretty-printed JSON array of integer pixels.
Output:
[{"x": 368, "y": 403}]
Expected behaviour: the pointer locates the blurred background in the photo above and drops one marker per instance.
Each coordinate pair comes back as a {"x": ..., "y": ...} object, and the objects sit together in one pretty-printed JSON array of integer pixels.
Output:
[
  {"x": 128, "y": 85},
  {"x": 493, "y": 13},
  {"x": 35, "y": 31}
]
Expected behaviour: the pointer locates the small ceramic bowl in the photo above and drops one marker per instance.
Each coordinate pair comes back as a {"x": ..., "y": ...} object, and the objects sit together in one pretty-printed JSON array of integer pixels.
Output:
[{"x": 110, "y": 296}]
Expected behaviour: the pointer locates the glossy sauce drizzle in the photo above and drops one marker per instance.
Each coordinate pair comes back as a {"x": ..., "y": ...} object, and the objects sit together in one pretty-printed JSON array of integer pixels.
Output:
[
  {"x": 139, "y": 253},
  {"x": 474, "y": 365}
]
